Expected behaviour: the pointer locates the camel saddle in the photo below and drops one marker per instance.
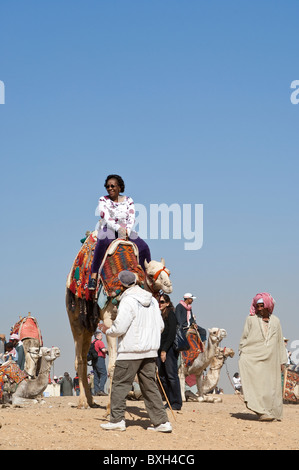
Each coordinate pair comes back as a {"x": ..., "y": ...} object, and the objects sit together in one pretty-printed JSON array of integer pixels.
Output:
[
  {"x": 81, "y": 269},
  {"x": 121, "y": 255},
  {"x": 291, "y": 382},
  {"x": 196, "y": 347},
  {"x": 27, "y": 327}
]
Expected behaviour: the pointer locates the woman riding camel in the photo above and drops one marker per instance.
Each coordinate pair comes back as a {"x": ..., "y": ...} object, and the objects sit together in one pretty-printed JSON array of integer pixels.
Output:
[{"x": 117, "y": 213}]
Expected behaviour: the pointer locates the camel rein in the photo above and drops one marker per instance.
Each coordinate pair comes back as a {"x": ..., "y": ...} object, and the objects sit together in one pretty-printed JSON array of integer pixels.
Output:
[{"x": 227, "y": 372}]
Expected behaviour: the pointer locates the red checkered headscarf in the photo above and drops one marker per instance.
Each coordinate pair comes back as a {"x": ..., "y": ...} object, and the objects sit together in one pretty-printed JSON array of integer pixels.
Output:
[{"x": 269, "y": 302}]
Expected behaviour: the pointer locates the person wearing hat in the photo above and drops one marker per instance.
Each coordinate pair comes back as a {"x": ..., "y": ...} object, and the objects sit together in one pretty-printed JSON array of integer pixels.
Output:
[
  {"x": 262, "y": 359},
  {"x": 138, "y": 327},
  {"x": 185, "y": 317}
]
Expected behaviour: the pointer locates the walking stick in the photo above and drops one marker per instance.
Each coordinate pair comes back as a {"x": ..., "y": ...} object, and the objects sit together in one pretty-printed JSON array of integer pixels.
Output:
[{"x": 165, "y": 394}]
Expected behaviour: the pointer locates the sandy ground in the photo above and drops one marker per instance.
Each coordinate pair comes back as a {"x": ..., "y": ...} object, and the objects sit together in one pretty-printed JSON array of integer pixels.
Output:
[{"x": 59, "y": 424}]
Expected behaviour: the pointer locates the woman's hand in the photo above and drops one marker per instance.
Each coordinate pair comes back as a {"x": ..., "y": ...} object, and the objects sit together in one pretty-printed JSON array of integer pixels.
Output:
[{"x": 163, "y": 356}]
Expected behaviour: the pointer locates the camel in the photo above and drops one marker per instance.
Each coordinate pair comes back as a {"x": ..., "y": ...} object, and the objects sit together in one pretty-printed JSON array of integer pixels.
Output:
[
  {"x": 31, "y": 338},
  {"x": 28, "y": 390},
  {"x": 202, "y": 361},
  {"x": 210, "y": 380},
  {"x": 156, "y": 280}
]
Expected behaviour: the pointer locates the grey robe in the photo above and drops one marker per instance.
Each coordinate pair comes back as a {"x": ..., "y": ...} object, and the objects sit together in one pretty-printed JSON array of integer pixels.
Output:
[{"x": 261, "y": 355}]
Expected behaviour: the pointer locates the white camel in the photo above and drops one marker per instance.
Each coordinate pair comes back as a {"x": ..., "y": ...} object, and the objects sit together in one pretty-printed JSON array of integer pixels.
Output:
[
  {"x": 28, "y": 391},
  {"x": 202, "y": 361},
  {"x": 211, "y": 379},
  {"x": 156, "y": 280}
]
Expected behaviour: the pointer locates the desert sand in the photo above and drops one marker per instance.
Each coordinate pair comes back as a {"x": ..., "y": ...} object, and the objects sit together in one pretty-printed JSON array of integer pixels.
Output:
[{"x": 59, "y": 425}]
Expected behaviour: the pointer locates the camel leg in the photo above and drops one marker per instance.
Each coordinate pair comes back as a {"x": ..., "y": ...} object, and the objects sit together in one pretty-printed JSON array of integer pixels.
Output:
[
  {"x": 82, "y": 339},
  {"x": 199, "y": 384},
  {"x": 82, "y": 344}
]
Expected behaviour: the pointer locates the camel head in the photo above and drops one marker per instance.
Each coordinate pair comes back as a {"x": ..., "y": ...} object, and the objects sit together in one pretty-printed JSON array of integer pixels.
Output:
[
  {"x": 217, "y": 335},
  {"x": 223, "y": 353},
  {"x": 228, "y": 352},
  {"x": 158, "y": 276},
  {"x": 49, "y": 354}
]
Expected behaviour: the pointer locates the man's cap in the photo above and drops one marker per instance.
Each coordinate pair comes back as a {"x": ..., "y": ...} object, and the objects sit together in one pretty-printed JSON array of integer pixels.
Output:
[
  {"x": 189, "y": 296},
  {"x": 127, "y": 278}
]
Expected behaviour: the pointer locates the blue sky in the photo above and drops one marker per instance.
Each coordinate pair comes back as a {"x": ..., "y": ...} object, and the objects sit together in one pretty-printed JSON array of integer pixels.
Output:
[{"x": 190, "y": 103}]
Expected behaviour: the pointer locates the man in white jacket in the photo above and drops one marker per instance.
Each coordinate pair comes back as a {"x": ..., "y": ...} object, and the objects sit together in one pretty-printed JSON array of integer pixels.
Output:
[{"x": 138, "y": 326}]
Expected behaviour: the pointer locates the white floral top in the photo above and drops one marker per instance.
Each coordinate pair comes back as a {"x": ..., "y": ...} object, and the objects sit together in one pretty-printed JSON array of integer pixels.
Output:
[{"x": 115, "y": 215}]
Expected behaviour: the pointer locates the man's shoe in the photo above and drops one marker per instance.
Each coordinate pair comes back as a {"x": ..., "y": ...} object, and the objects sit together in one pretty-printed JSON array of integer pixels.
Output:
[
  {"x": 121, "y": 426},
  {"x": 266, "y": 418},
  {"x": 100, "y": 393},
  {"x": 92, "y": 284},
  {"x": 165, "y": 427}
]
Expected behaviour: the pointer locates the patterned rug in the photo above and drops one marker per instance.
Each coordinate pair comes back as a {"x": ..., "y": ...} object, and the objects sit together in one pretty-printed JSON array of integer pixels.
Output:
[
  {"x": 79, "y": 276},
  {"x": 291, "y": 380},
  {"x": 196, "y": 347},
  {"x": 10, "y": 370},
  {"x": 120, "y": 256}
]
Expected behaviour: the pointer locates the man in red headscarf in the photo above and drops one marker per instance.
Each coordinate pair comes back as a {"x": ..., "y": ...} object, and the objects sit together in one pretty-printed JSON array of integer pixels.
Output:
[{"x": 262, "y": 358}]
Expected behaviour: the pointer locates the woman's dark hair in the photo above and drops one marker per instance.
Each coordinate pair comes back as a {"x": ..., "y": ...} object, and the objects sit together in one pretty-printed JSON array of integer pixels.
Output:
[
  {"x": 170, "y": 306},
  {"x": 119, "y": 180}
]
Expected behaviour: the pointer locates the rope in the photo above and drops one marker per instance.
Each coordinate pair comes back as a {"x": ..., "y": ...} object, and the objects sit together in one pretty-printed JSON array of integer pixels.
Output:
[{"x": 242, "y": 399}]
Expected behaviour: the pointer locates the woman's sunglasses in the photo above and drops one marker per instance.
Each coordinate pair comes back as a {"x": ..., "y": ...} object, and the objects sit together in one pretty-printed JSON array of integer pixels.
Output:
[
  {"x": 112, "y": 186},
  {"x": 162, "y": 302}
]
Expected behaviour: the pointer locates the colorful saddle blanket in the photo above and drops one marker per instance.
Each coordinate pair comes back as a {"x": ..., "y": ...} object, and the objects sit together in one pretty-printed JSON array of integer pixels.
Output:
[
  {"x": 27, "y": 327},
  {"x": 196, "y": 347},
  {"x": 120, "y": 256},
  {"x": 10, "y": 370},
  {"x": 80, "y": 272},
  {"x": 291, "y": 382}
]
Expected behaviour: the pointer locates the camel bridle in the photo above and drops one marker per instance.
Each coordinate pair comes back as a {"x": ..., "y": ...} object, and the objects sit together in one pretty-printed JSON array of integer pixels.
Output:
[{"x": 153, "y": 278}]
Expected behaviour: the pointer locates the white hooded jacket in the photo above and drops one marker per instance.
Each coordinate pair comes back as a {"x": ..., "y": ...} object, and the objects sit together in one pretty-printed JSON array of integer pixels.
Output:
[{"x": 138, "y": 325}]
